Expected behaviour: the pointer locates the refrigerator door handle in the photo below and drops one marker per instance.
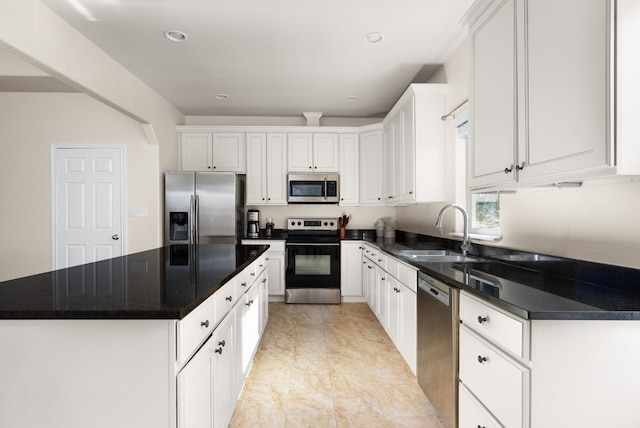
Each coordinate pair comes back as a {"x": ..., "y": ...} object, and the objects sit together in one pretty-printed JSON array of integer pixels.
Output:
[
  {"x": 191, "y": 218},
  {"x": 197, "y": 220}
]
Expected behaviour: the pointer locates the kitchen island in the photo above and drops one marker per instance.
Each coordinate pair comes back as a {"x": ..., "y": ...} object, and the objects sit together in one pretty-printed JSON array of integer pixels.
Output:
[{"x": 161, "y": 338}]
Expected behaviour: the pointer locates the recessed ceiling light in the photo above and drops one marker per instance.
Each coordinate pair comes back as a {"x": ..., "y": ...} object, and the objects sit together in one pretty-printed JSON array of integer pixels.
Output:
[
  {"x": 373, "y": 38},
  {"x": 352, "y": 98},
  {"x": 221, "y": 96},
  {"x": 176, "y": 35}
]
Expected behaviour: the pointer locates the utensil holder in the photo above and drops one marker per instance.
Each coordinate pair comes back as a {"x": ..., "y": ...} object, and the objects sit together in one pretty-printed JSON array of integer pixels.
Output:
[{"x": 343, "y": 232}]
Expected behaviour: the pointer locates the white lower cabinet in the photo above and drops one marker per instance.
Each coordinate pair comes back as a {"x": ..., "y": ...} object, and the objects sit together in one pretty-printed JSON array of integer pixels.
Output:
[
  {"x": 351, "y": 285},
  {"x": 390, "y": 288},
  {"x": 209, "y": 384},
  {"x": 472, "y": 412},
  {"x": 494, "y": 364},
  {"x": 275, "y": 259},
  {"x": 206, "y": 389}
]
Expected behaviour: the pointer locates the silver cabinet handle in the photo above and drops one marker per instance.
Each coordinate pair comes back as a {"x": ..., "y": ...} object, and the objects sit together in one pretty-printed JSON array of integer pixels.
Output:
[
  {"x": 228, "y": 298},
  {"x": 115, "y": 237},
  {"x": 481, "y": 359},
  {"x": 204, "y": 324}
]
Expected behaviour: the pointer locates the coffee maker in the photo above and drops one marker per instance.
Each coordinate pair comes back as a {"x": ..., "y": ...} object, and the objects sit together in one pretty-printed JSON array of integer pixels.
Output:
[{"x": 253, "y": 223}]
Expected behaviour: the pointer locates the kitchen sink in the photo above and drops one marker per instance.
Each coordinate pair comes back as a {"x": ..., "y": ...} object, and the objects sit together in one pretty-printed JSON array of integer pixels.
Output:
[{"x": 436, "y": 256}]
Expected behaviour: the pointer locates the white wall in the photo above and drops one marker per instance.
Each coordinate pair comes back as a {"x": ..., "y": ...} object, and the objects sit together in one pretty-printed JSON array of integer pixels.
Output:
[
  {"x": 117, "y": 109},
  {"x": 30, "y": 124},
  {"x": 596, "y": 223}
]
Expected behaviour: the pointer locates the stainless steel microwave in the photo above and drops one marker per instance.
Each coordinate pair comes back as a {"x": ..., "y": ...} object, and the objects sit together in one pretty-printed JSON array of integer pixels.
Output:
[{"x": 314, "y": 188}]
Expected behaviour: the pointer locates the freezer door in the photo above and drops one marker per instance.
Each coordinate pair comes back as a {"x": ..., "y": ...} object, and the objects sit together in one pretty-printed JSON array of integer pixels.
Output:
[
  {"x": 179, "y": 201},
  {"x": 216, "y": 204}
]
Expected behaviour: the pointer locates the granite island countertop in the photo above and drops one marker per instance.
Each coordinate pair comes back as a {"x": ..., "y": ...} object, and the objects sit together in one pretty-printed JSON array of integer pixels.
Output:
[{"x": 163, "y": 283}]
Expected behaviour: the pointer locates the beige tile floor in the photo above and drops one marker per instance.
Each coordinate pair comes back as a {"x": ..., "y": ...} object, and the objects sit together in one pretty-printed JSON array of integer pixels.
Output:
[{"x": 330, "y": 366}]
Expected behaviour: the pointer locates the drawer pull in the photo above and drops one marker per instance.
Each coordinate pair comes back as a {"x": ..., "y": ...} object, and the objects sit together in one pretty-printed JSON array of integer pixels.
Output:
[
  {"x": 218, "y": 351},
  {"x": 253, "y": 274},
  {"x": 204, "y": 324},
  {"x": 482, "y": 319},
  {"x": 261, "y": 265},
  {"x": 228, "y": 298},
  {"x": 481, "y": 359},
  {"x": 480, "y": 426},
  {"x": 244, "y": 284},
  {"x": 264, "y": 280},
  {"x": 222, "y": 343},
  {"x": 379, "y": 260}
]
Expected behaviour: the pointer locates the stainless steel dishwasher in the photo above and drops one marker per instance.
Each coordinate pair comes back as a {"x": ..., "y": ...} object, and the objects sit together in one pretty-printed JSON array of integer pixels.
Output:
[{"x": 437, "y": 367}]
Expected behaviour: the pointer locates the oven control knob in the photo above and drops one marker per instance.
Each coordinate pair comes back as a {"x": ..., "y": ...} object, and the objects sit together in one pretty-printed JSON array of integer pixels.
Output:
[
  {"x": 299, "y": 223},
  {"x": 293, "y": 223},
  {"x": 325, "y": 223},
  {"x": 331, "y": 224}
]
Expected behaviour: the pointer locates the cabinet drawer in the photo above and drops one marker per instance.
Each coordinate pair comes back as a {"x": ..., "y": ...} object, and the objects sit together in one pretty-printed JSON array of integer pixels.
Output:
[
  {"x": 471, "y": 413},
  {"x": 195, "y": 328},
  {"x": 505, "y": 331},
  {"x": 224, "y": 299},
  {"x": 379, "y": 258},
  {"x": 497, "y": 380},
  {"x": 408, "y": 276}
]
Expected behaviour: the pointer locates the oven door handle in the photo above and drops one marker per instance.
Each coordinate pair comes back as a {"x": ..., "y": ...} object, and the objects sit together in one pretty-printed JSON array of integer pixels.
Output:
[{"x": 312, "y": 245}]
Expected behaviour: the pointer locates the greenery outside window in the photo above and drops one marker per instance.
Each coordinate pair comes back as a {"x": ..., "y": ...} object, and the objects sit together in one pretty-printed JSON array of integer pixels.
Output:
[{"x": 485, "y": 214}]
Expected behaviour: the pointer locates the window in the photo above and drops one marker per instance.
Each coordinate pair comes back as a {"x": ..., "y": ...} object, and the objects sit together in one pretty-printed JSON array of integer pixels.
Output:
[
  {"x": 485, "y": 213},
  {"x": 483, "y": 208}
]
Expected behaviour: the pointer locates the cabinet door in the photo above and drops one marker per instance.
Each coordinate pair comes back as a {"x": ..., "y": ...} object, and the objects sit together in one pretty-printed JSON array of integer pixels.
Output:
[
  {"x": 409, "y": 152},
  {"x": 264, "y": 300},
  {"x": 228, "y": 151},
  {"x": 371, "y": 172},
  {"x": 368, "y": 282},
  {"x": 393, "y": 308},
  {"x": 568, "y": 46},
  {"x": 325, "y": 153},
  {"x": 196, "y": 151},
  {"x": 492, "y": 95},
  {"x": 407, "y": 329},
  {"x": 223, "y": 364},
  {"x": 349, "y": 169},
  {"x": 195, "y": 390},
  {"x": 276, "y": 169},
  {"x": 276, "y": 273},
  {"x": 351, "y": 269},
  {"x": 388, "y": 164},
  {"x": 381, "y": 295},
  {"x": 256, "y": 169},
  {"x": 300, "y": 152},
  {"x": 398, "y": 159}
]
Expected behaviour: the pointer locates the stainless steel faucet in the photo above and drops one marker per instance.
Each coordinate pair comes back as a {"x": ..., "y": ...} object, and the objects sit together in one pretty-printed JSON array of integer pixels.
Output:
[{"x": 466, "y": 241}]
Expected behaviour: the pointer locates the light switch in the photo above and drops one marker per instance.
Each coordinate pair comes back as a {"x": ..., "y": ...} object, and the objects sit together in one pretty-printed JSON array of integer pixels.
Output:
[{"x": 139, "y": 212}]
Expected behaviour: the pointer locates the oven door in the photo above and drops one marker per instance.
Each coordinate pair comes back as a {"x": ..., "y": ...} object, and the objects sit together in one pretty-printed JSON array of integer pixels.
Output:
[{"x": 313, "y": 265}]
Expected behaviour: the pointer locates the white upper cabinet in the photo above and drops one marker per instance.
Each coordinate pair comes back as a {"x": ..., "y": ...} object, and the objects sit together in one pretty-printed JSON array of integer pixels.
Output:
[
  {"x": 266, "y": 170},
  {"x": 371, "y": 171},
  {"x": 414, "y": 141},
  {"x": 212, "y": 151},
  {"x": 349, "y": 169},
  {"x": 542, "y": 92},
  {"x": 492, "y": 107},
  {"x": 313, "y": 152}
]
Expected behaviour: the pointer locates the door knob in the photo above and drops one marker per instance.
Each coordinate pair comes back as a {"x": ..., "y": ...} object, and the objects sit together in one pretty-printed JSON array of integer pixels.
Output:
[{"x": 115, "y": 237}]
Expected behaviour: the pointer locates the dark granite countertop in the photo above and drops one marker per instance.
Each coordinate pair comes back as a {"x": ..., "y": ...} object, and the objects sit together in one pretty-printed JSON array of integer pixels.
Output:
[
  {"x": 533, "y": 286},
  {"x": 163, "y": 283}
]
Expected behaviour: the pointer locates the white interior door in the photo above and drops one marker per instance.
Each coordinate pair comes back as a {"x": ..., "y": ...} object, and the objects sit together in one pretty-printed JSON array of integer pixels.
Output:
[{"x": 88, "y": 205}]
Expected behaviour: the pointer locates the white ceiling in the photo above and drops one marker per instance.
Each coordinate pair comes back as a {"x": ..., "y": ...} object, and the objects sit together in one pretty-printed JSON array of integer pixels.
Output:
[{"x": 274, "y": 57}]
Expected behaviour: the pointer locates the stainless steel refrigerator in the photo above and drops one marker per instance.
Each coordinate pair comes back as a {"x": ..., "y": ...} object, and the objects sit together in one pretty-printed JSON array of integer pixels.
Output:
[{"x": 203, "y": 207}]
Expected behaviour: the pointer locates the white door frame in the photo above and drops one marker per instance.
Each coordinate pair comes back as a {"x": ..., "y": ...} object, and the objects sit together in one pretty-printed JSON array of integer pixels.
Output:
[{"x": 123, "y": 159}]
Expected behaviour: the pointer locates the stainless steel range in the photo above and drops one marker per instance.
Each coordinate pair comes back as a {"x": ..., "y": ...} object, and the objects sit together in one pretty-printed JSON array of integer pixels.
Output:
[{"x": 313, "y": 261}]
